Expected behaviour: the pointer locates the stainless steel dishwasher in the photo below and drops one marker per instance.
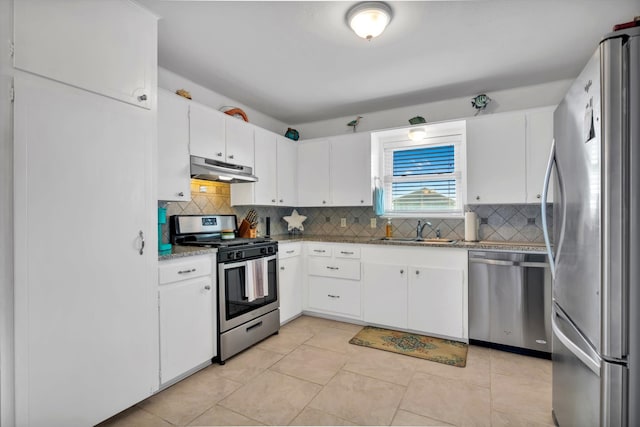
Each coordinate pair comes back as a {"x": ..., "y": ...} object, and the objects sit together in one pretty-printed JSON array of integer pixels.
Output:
[{"x": 510, "y": 301}]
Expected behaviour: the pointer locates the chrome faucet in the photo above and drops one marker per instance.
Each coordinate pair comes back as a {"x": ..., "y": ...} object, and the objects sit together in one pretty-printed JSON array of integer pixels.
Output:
[{"x": 420, "y": 227}]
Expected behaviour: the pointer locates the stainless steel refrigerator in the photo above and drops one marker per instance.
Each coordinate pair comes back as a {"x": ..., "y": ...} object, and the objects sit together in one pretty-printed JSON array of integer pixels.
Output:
[{"x": 595, "y": 256}]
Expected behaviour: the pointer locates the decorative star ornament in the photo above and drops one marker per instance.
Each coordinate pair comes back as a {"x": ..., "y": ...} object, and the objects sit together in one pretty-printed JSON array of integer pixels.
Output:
[{"x": 295, "y": 221}]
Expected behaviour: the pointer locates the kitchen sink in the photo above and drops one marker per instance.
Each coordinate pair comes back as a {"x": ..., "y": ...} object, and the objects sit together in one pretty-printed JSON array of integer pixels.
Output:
[{"x": 413, "y": 240}]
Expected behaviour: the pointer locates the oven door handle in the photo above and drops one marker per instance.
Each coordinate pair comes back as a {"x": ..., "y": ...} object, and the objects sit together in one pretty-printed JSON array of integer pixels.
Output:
[{"x": 233, "y": 264}]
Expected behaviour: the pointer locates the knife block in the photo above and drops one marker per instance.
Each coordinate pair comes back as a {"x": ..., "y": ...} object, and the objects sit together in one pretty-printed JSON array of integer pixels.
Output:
[{"x": 246, "y": 231}]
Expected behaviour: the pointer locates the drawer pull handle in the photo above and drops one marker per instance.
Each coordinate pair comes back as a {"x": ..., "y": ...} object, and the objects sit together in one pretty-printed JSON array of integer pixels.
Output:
[
  {"x": 346, "y": 253},
  {"x": 333, "y": 296},
  {"x": 290, "y": 252},
  {"x": 257, "y": 325},
  {"x": 282, "y": 268},
  {"x": 320, "y": 251},
  {"x": 186, "y": 271},
  {"x": 332, "y": 268},
  {"x": 208, "y": 288}
]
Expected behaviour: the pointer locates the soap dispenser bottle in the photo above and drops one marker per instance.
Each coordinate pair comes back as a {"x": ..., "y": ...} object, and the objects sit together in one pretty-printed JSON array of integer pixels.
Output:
[{"x": 388, "y": 230}]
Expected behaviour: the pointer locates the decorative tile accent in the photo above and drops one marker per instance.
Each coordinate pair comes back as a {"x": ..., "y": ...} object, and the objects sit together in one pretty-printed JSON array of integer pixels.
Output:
[{"x": 518, "y": 223}]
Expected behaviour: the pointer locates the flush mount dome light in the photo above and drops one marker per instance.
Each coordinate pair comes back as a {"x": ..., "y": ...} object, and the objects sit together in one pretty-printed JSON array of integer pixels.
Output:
[
  {"x": 417, "y": 134},
  {"x": 369, "y": 19}
]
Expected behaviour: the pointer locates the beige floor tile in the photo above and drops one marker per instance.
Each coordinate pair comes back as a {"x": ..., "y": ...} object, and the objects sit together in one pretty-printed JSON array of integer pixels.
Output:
[
  {"x": 318, "y": 323},
  {"x": 311, "y": 363},
  {"x": 272, "y": 398},
  {"x": 247, "y": 365},
  {"x": 332, "y": 339},
  {"x": 221, "y": 416},
  {"x": 503, "y": 419},
  {"x": 135, "y": 417},
  {"x": 186, "y": 400},
  {"x": 286, "y": 341},
  {"x": 477, "y": 371},
  {"x": 506, "y": 363},
  {"x": 404, "y": 418},
  {"x": 383, "y": 365},
  {"x": 359, "y": 399},
  {"x": 457, "y": 402},
  {"x": 528, "y": 398},
  {"x": 315, "y": 417}
]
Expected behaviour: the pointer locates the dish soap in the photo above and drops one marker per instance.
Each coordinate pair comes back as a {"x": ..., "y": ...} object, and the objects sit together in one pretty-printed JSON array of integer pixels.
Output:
[{"x": 388, "y": 229}]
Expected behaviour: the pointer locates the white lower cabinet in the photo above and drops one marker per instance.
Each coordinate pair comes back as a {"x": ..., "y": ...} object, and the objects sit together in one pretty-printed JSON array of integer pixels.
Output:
[
  {"x": 435, "y": 301},
  {"x": 385, "y": 295},
  {"x": 186, "y": 298},
  {"x": 290, "y": 281},
  {"x": 333, "y": 280},
  {"x": 419, "y": 289}
]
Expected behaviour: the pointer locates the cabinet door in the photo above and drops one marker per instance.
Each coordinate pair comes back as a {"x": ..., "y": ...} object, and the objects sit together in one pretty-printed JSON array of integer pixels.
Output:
[
  {"x": 187, "y": 323},
  {"x": 436, "y": 301},
  {"x": 266, "y": 188},
  {"x": 539, "y": 138},
  {"x": 385, "y": 295},
  {"x": 496, "y": 159},
  {"x": 207, "y": 130},
  {"x": 351, "y": 170},
  {"x": 313, "y": 174},
  {"x": 239, "y": 142},
  {"x": 173, "y": 148},
  {"x": 86, "y": 319},
  {"x": 107, "y": 47},
  {"x": 290, "y": 281},
  {"x": 337, "y": 296},
  {"x": 287, "y": 172}
]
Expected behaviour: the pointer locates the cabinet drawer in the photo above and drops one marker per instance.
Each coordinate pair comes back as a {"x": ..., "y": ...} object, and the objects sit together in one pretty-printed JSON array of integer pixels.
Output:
[
  {"x": 289, "y": 250},
  {"x": 346, "y": 252},
  {"x": 320, "y": 250},
  {"x": 339, "y": 268},
  {"x": 176, "y": 270},
  {"x": 334, "y": 295}
]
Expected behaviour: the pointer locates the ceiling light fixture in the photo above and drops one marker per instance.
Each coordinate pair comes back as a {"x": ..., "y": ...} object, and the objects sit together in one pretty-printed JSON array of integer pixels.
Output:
[
  {"x": 369, "y": 19},
  {"x": 417, "y": 134}
]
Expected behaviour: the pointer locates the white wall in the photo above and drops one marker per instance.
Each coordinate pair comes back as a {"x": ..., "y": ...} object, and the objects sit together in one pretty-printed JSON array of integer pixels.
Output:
[
  {"x": 6, "y": 217},
  {"x": 505, "y": 100},
  {"x": 172, "y": 81}
]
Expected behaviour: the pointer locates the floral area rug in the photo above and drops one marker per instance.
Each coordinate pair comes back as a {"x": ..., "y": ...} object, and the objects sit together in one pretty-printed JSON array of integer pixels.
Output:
[{"x": 439, "y": 350}]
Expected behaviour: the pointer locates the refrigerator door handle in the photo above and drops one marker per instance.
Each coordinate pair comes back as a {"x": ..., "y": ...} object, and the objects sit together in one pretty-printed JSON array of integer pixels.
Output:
[
  {"x": 592, "y": 364},
  {"x": 543, "y": 208}
]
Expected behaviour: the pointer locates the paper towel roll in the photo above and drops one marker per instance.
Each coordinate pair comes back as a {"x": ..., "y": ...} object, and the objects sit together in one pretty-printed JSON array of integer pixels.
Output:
[{"x": 470, "y": 227}]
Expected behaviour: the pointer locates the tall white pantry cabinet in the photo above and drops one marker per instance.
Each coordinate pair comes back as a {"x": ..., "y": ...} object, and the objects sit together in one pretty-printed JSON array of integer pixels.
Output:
[{"x": 86, "y": 313}]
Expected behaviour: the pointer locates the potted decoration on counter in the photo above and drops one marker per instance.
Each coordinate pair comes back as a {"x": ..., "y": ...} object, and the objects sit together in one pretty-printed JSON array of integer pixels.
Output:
[{"x": 292, "y": 134}]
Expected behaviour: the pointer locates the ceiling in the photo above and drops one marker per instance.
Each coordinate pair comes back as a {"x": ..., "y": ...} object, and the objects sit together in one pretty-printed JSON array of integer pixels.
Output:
[{"x": 298, "y": 62}]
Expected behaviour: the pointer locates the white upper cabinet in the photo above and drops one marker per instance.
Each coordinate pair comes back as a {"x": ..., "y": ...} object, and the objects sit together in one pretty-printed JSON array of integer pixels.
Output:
[
  {"x": 78, "y": 44},
  {"x": 287, "y": 172},
  {"x": 539, "y": 138},
  {"x": 351, "y": 170},
  {"x": 173, "y": 147},
  {"x": 313, "y": 173},
  {"x": 275, "y": 167},
  {"x": 207, "y": 132},
  {"x": 335, "y": 171},
  {"x": 496, "y": 159},
  {"x": 239, "y": 141}
]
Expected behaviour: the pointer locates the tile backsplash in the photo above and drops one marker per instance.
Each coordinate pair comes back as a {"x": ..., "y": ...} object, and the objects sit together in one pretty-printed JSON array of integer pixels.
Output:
[{"x": 516, "y": 223}]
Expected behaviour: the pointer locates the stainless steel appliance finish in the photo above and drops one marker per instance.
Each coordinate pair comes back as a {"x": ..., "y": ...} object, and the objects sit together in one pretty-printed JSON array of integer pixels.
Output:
[
  {"x": 214, "y": 170},
  {"x": 596, "y": 300},
  {"x": 510, "y": 300}
]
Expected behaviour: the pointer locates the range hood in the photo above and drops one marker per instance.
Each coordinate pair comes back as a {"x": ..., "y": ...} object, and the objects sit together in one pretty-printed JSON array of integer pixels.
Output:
[{"x": 214, "y": 170}]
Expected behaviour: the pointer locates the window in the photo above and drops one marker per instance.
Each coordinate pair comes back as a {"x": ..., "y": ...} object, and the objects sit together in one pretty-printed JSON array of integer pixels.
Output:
[{"x": 425, "y": 177}]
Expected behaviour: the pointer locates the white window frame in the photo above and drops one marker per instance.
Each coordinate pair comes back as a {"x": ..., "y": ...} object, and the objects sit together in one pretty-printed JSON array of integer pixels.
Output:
[{"x": 438, "y": 134}]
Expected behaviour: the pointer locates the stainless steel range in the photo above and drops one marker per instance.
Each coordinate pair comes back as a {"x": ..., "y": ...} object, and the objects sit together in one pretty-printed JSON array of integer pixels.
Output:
[{"x": 248, "y": 305}]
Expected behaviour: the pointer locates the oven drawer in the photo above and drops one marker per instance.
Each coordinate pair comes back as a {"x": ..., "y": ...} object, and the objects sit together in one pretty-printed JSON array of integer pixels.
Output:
[
  {"x": 338, "y": 268},
  {"x": 334, "y": 295},
  {"x": 185, "y": 268},
  {"x": 352, "y": 252},
  {"x": 289, "y": 250},
  {"x": 320, "y": 250}
]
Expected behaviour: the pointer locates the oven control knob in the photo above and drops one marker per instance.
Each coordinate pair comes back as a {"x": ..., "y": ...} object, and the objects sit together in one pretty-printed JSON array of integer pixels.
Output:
[
  {"x": 270, "y": 249},
  {"x": 263, "y": 250},
  {"x": 230, "y": 255},
  {"x": 238, "y": 254}
]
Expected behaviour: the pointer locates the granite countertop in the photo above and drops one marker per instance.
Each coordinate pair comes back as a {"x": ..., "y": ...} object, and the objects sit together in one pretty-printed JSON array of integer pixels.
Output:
[
  {"x": 185, "y": 251},
  {"x": 482, "y": 245}
]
